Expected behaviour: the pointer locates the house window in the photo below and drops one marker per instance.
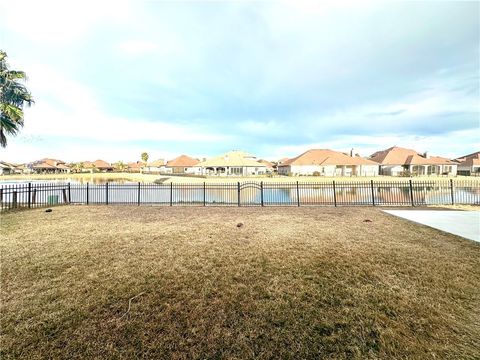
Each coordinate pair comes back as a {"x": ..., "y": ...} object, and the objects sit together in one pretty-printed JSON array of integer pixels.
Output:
[{"x": 432, "y": 169}]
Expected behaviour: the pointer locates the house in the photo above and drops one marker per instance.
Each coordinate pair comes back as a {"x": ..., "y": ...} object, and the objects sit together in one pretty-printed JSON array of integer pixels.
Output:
[
  {"x": 232, "y": 163},
  {"x": 23, "y": 169},
  {"x": 49, "y": 166},
  {"x": 135, "y": 167},
  {"x": 97, "y": 165},
  {"x": 270, "y": 166},
  {"x": 397, "y": 161},
  {"x": 279, "y": 162},
  {"x": 469, "y": 164},
  {"x": 154, "y": 167},
  {"x": 6, "y": 168},
  {"x": 325, "y": 162},
  {"x": 183, "y": 164}
]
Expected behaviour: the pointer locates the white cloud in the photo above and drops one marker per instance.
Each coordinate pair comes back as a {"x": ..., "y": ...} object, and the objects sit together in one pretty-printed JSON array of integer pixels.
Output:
[
  {"x": 60, "y": 22},
  {"x": 434, "y": 144},
  {"x": 65, "y": 108},
  {"x": 67, "y": 111},
  {"x": 19, "y": 152},
  {"x": 137, "y": 47},
  {"x": 92, "y": 124}
]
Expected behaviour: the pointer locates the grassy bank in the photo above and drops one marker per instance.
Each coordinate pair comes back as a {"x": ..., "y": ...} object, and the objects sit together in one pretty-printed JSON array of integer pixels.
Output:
[{"x": 288, "y": 283}]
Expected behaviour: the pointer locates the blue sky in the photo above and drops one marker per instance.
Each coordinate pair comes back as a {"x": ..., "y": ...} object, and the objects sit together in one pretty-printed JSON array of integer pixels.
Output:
[{"x": 275, "y": 78}]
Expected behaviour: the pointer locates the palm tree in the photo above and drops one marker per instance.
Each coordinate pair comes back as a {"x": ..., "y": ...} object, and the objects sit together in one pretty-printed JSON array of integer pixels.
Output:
[
  {"x": 144, "y": 157},
  {"x": 13, "y": 96}
]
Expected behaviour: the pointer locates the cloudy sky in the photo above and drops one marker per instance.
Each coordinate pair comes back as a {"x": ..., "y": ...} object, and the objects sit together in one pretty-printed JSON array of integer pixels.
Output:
[{"x": 275, "y": 78}]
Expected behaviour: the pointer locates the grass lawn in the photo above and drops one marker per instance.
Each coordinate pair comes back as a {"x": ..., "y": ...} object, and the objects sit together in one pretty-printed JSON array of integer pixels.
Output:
[{"x": 290, "y": 283}]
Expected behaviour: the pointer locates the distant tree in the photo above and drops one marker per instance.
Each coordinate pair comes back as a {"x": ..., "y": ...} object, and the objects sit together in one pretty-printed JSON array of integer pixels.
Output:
[
  {"x": 120, "y": 166},
  {"x": 144, "y": 157},
  {"x": 77, "y": 167},
  {"x": 13, "y": 97},
  {"x": 73, "y": 166}
]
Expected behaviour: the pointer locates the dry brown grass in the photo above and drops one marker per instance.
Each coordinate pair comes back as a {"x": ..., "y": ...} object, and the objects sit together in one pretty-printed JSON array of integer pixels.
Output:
[{"x": 290, "y": 283}]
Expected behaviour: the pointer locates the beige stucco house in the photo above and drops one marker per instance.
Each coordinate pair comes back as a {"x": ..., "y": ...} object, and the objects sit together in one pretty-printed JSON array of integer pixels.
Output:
[
  {"x": 325, "y": 162},
  {"x": 469, "y": 164},
  {"x": 52, "y": 166},
  {"x": 232, "y": 163},
  {"x": 397, "y": 161}
]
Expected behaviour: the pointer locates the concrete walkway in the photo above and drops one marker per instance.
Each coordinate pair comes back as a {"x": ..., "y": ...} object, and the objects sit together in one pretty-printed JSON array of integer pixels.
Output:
[{"x": 461, "y": 223}]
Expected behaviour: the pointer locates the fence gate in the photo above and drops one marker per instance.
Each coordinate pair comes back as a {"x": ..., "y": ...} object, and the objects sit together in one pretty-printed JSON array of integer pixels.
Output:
[{"x": 250, "y": 194}]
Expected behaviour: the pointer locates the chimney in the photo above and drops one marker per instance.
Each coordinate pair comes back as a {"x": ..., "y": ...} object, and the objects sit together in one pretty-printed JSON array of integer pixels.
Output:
[
  {"x": 426, "y": 155},
  {"x": 351, "y": 152}
]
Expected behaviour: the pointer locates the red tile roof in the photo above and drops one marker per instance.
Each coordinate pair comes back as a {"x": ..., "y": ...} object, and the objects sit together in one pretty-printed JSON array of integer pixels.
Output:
[
  {"x": 135, "y": 165},
  {"x": 327, "y": 157},
  {"x": 401, "y": 156},
  {"x": 99, "y": 164},
  {"x": 182, "y": 161},
  {"x": 267, "y": 163},
  {"x": 470, "y": 159},
  {"x": 50, "y": 164}
]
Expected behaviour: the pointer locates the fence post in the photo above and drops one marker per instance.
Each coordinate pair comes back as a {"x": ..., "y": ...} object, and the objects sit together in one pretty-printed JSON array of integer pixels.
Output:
[
  {"x": 29, "y": 195},
  {"x": 334, "y": 194},
  {"x": 87, "y": 193},
  {"x": 138, "y": 198},
  {"x": 171, "y": 194},
  {"x": 261, "y": 191},
  {"x": 34, "y": 196},
  {"x": 411, "y": 192},
  {"x": 298, "y": 196},
  {"x": 69, "y": 194},
  {"x": 451, "y": 191},
  {"x": 14, "y": 199},
  {"x": 204, "y": 194},
  {"x": 238, "y": 193},
  {"x": 106, "y": 193},
  {"x": 373, "y": 193},
  {"x": 64, "y": 193}
]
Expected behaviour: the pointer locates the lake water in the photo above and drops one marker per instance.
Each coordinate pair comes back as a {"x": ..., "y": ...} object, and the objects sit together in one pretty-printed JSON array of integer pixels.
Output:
[{"x": 247, "y": 194}]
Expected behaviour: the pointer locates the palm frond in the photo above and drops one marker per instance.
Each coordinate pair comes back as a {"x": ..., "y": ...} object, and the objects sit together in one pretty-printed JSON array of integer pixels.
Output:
[{"x": 13, "y": 97}]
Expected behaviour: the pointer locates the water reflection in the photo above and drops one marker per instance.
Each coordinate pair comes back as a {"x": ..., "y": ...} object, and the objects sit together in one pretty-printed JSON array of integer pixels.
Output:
[{"x": 128, "y": 192}]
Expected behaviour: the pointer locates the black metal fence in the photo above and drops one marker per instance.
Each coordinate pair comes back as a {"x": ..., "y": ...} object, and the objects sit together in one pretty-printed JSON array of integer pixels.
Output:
[{"x": 376, "y": 193}]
